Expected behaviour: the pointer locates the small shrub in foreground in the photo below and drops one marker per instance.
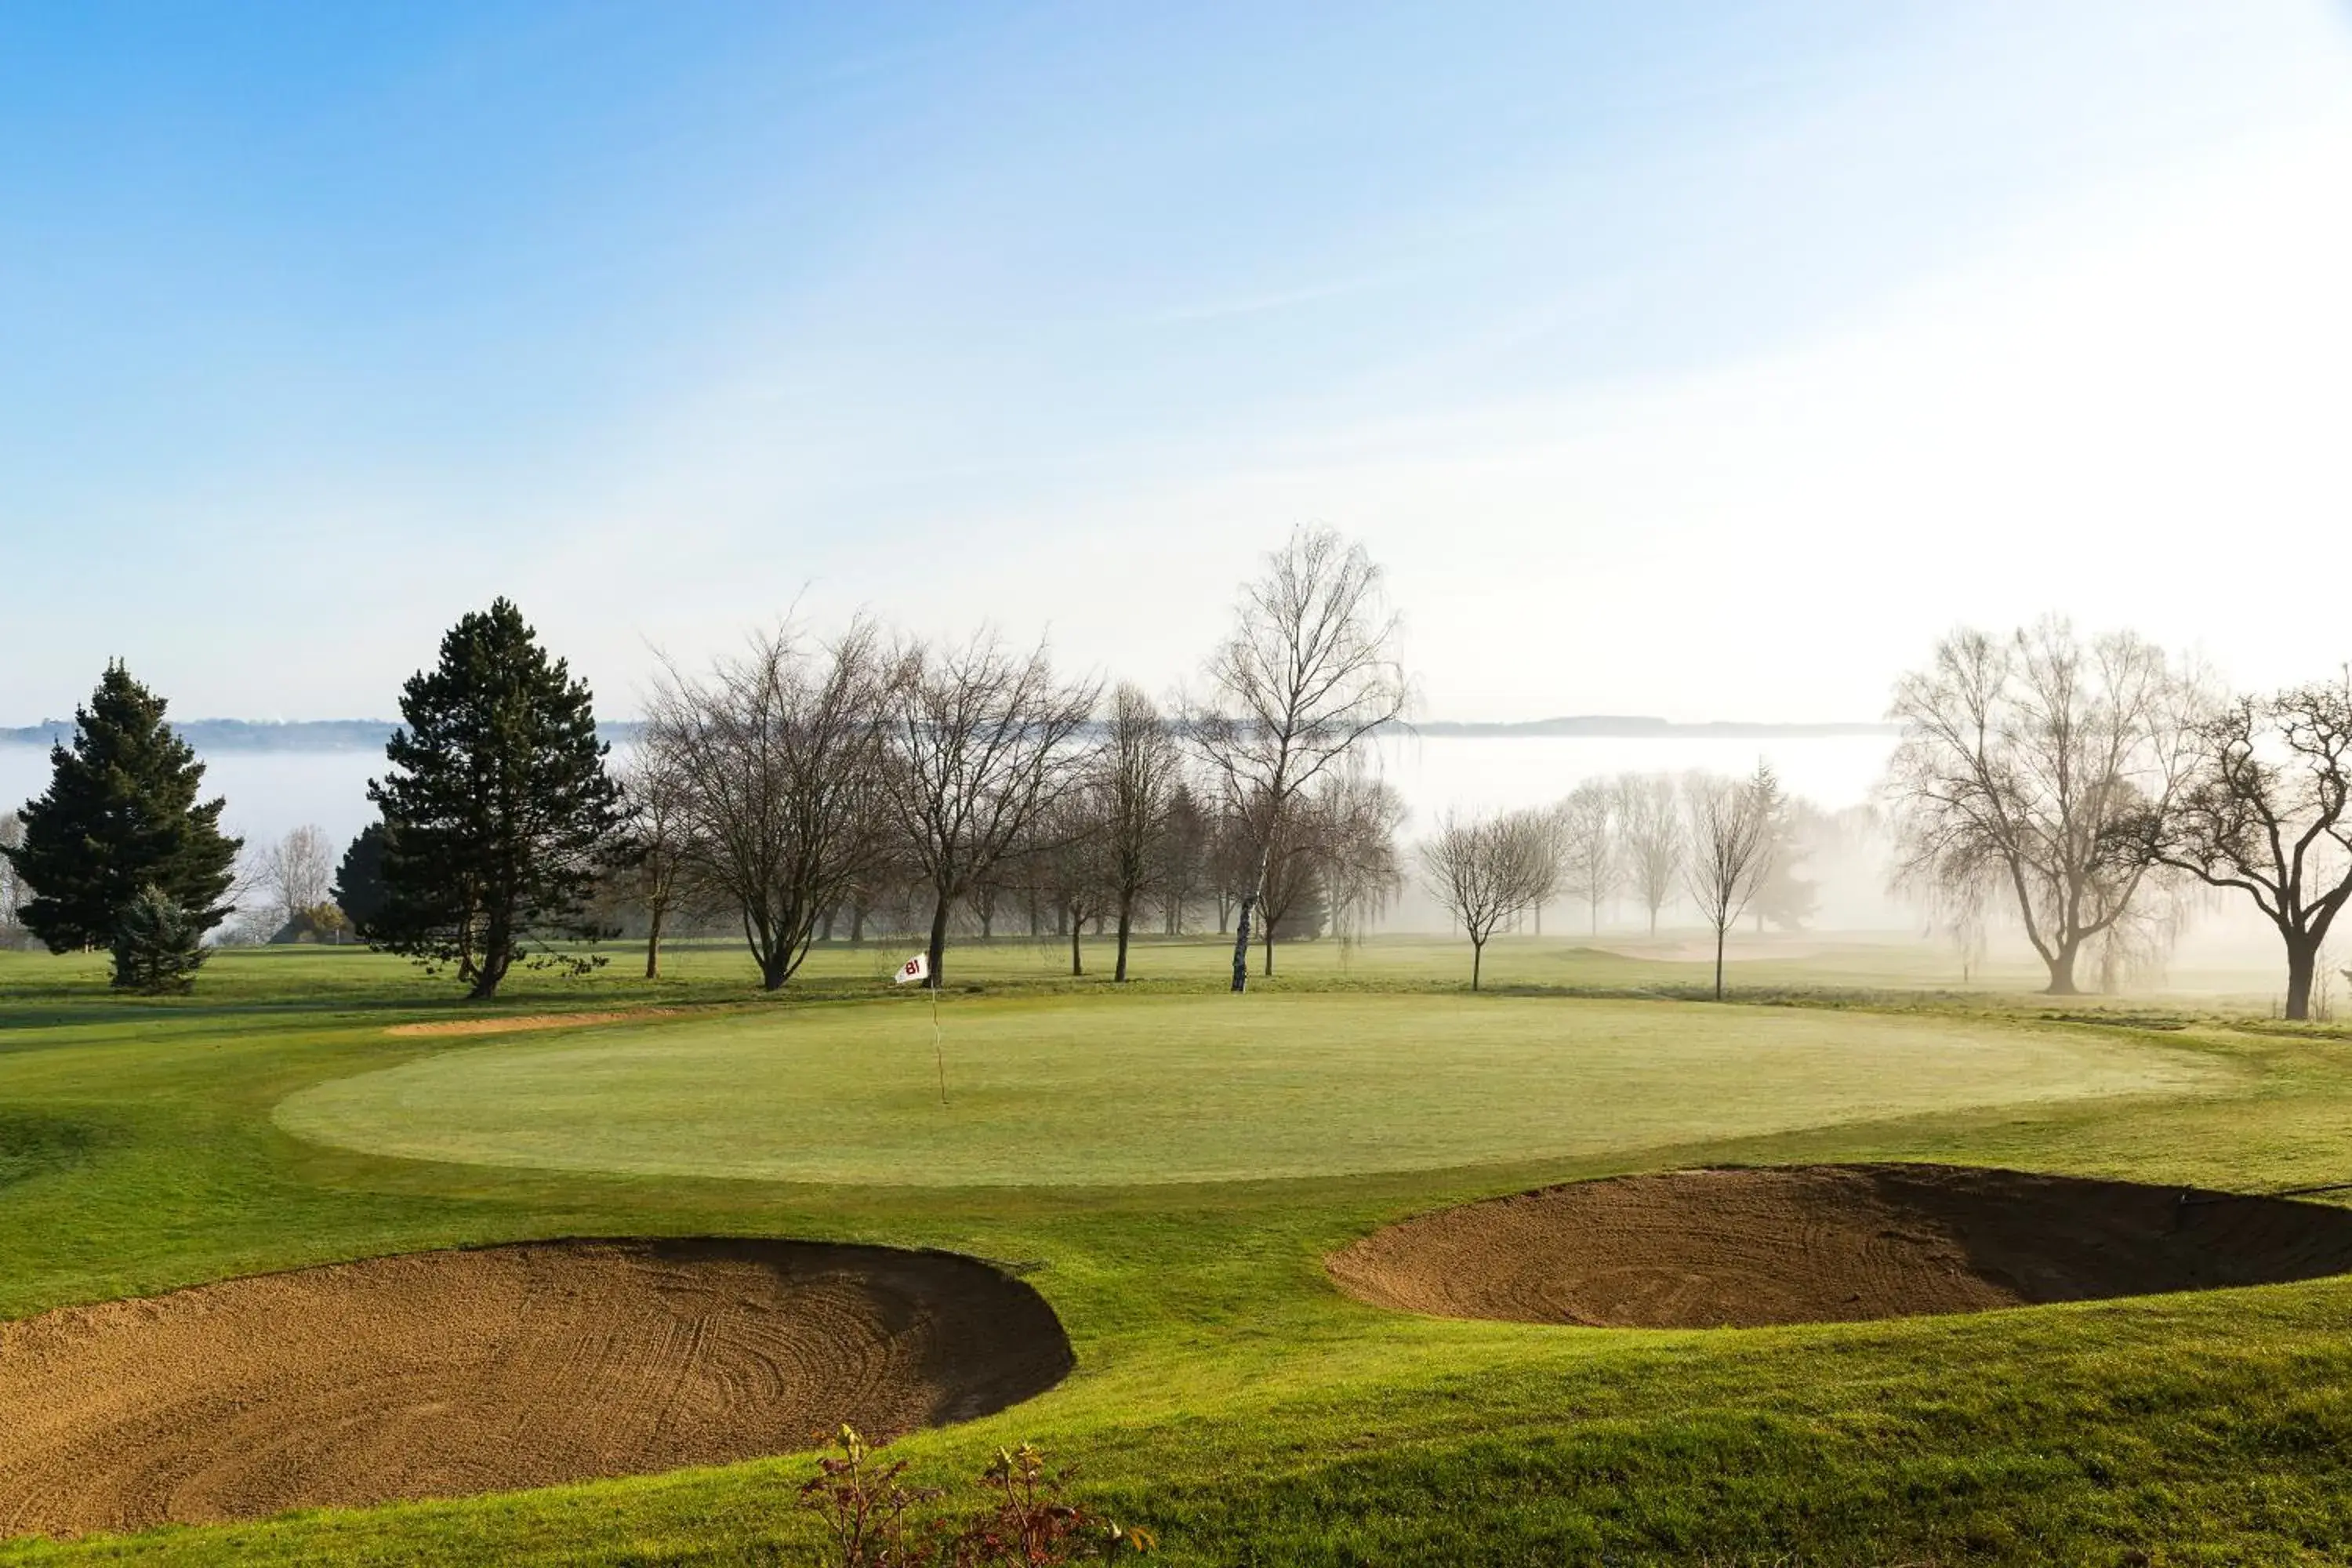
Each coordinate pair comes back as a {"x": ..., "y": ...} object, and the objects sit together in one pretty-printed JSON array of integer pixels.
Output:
[{"x": 871, "y": 1518}]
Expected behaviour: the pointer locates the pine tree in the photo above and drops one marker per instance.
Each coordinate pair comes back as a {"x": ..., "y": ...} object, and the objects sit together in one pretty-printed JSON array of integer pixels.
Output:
[
  {"x": 497, "y": 810},
  {"x": 358, "y": 881},
  {"x": 158, "y": 945},
  {"x": 120, "y": 816}
]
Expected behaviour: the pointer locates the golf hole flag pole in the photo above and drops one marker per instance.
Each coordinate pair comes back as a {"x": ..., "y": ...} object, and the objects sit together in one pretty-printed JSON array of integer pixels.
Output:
[{"x": 917, "y": 971}]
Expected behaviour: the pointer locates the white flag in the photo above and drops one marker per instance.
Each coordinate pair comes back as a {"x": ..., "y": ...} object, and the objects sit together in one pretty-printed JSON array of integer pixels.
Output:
[{"x": 916, "y": 968}]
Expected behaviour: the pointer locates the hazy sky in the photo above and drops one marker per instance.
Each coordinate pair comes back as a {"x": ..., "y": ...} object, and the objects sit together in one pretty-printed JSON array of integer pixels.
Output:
[{"x": 1702, "y": 360}]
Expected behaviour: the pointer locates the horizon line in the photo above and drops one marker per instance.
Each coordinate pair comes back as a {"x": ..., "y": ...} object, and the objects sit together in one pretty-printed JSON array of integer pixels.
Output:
[{"x": 349, "y": 734}]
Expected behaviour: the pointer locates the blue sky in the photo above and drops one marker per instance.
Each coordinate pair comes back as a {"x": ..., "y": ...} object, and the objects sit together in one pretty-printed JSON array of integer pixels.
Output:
[{"x": 1696, "y": 359}]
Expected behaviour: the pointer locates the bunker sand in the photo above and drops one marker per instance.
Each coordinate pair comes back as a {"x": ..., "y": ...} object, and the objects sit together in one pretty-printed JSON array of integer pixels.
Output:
[
  {"x": 1694, "y": 1249},
  {"x": 436, "y": 1374}
]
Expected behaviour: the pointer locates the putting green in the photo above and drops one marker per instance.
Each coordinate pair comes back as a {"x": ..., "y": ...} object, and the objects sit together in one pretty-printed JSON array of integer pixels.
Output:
[{"x": 1119, "y": 1091}]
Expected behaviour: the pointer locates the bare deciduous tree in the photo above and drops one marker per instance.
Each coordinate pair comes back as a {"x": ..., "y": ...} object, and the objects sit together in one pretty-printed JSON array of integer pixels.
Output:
[
  {"x": 1354, "y": 848},
  {"x": 1961, "y": 914},
  {"x": 1333, "y": 857},
  {"x": 980, "y": 747},
  {"x": 2264, "y": 812},
  {"x": 1590, "y": 862},
  {"x": 1487, "y": 871},
  {"x": 778, "y": 758},
  {"x": 1650, "y": 836},
  {"x": 1307, "y": 675},
  {"x": 1553, "y": 847},
  {"x": 1072, "y": 857},
  {"x": 1139, "y": 770},
  {"x": 2028, "y": 758},
  {"x": 1734, "y": 826},
  {"x": 298, "y": 872},
  {"x": 654, "y": 875},
  {"x": 12, "y": 886},
  {"x": 1280, "y": 872},
  {"x": 1232, "y": 859}
]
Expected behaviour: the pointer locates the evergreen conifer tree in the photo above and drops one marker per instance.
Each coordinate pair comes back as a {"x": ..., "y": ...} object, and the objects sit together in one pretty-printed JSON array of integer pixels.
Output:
[
  {"x": 120, "y": 816},
  {"x": 158, "y": 945},
  {"x": 358, "y": 881},
  {"x": 497, "y": 810}
]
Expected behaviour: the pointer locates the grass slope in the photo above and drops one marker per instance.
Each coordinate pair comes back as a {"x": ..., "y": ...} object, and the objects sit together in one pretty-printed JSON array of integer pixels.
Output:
[{"x": 1227, "y": 1395}]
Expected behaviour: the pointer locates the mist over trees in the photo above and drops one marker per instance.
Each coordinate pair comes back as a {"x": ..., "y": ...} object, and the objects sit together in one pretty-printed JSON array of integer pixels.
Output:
[
  {"x": 805, "y": 792},
  {"x": 2032, "y": 762},
  {"x": 300, "y": 870},
  {"x": 1182, "y": 878},
  {"x": 1737, "y": 845},
  {"x": 1359, "y": 817},
  {"x": 1735, "y": 830},
  {"x": 1649, "y": 838},
  {"x": 1784, "y": 898},
  {"x": 1309, "y": 674},
  {"x": 2080, "y": 787},
  {"x": 1334, "y": 865},
  {"x": 1590, "y": 859},
  {"x": 295, "y": 878},
  {"x": 1487, "y": 871},
  {"x": 2071, "y": 792},
  {"x": 1068, "y": 863},
  {"x": 2261, "y": 811}
]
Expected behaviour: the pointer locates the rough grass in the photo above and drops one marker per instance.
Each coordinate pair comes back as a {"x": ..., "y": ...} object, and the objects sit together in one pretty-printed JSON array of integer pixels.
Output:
[{"x": 1227, "y": 1395}]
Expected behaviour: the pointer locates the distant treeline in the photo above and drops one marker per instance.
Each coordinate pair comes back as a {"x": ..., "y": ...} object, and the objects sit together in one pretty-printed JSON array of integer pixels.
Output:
[
  {"x": 1635, "y": 727},
  {"x": 216, "y": 735}
]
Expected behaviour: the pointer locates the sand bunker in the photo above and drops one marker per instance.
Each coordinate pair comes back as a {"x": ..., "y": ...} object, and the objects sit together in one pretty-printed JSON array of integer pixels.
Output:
[
  {"x": 1692, "y": 1249},
  {"x": 441, "y": 1373},
  {"x": 523, "y": 1022}
]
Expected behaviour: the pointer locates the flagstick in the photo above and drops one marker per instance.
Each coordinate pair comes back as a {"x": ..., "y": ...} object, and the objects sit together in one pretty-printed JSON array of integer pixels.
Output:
[{"x": 938, "y": 1055}]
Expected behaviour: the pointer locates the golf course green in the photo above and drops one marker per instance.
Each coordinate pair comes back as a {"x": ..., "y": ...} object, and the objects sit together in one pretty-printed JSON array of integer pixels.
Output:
[{"x": 1098, "y": 1091}]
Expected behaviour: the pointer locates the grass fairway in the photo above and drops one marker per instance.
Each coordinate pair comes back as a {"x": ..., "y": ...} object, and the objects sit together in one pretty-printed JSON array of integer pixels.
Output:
[
  {"x": 1107, "y": 1091},
  {"x": 1225, "y": 1393}
]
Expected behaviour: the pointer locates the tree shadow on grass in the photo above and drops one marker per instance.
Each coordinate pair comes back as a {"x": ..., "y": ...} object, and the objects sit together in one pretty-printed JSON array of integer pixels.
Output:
[{"x": 33, "y": 1145}]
